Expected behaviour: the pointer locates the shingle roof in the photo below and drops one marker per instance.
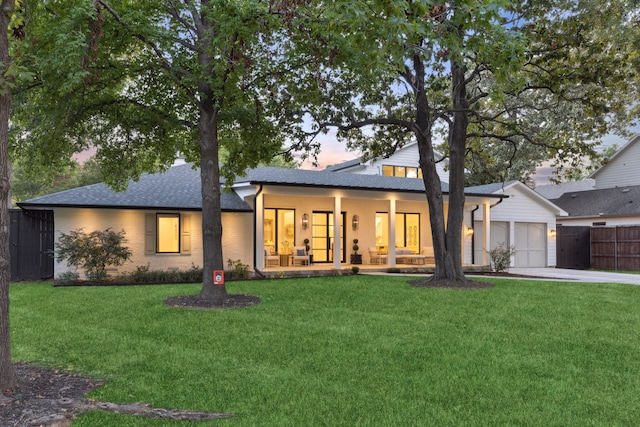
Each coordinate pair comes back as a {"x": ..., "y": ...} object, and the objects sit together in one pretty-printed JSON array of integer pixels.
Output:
[
  {"x": 489, "y": 188},
  {"x": 177, "y": 188},
  {"x": 605, "y": 201},
  {"x": 325, "y": 179},
  {"x": 344, "y": 165}
]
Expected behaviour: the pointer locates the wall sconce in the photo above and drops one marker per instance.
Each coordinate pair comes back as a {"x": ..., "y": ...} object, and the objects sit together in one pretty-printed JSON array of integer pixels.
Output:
[
  {"x": 354, "y": 222},
  {"x": 468, "y": 231},
  {"x": 305, "y": 221},
  {"x": 552, "y": 233}
]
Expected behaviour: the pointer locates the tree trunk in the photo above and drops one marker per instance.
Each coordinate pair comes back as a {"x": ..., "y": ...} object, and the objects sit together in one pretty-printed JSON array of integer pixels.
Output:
[
  {"x": 211, "y": 207},
  {"x": 446, "y": 249},
  {"x": 7, "y": 370},
  {"x": 457, "y": 147}
]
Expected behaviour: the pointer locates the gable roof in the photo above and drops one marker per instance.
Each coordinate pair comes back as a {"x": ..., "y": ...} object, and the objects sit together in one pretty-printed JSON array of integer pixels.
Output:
[
  {"x": 604, "y": 201},
  {"x": 344, "y": 165},
  {"x": 502, "y": 187},
  {"x": 177, "y": 188}
]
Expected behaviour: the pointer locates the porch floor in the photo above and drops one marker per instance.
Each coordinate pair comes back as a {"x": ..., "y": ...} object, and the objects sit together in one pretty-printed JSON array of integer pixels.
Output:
[{"x": 326, "y": 269}]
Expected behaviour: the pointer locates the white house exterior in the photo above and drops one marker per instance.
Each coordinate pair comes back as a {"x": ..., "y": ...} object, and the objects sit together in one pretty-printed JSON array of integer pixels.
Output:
[
  {"x": 404, "y": 162},
  {"x": 270, "y": 209},
  {"x": 524, "y": 220},
  {"x": 623, "y": 169}
]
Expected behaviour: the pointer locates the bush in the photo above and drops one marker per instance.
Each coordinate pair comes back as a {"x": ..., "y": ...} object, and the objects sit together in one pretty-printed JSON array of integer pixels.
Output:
[
  {"x": 237, "y": 270},
  {"x": 501, "y": 257},
  {"x": 93, "y": 252},
  {"x": 67, "y": 278},
  {"x": 355, "y": 269},
  {"x": 143, "y": 274}
]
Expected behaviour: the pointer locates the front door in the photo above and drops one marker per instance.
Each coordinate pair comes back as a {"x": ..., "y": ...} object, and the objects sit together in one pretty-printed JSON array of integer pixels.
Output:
[{"x": 322, "y": 236}]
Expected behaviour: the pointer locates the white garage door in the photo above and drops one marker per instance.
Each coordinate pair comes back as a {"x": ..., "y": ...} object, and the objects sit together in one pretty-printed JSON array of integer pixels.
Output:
[
  {"x": 499, "y": 235},
  {"x": 531, "y": 244}
]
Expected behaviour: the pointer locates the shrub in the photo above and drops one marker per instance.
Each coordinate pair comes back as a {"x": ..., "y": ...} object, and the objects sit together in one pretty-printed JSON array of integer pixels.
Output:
[
  {"x": 93, "y": 252},
  {"x": 501, "y": 257},
  {"x": 237, "y": 270},
  {"x": 355, "y": 269},
  {"x": 67, "y": 278}
]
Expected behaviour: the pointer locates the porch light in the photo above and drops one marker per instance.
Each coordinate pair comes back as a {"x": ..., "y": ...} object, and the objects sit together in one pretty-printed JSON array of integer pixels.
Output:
[
  {"x": 305, "y": 221},
  {"x": 552, "y": 233},
  {"x": 468, "y": 231},
  {"x": 354, "y": 222}
]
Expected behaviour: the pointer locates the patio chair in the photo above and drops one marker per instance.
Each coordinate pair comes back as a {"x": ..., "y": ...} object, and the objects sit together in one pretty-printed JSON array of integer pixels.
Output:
[
  {"x": 300, "y": 256},
  {"x": 271, "y": 259},
  {"x": 376, "y": 257}
]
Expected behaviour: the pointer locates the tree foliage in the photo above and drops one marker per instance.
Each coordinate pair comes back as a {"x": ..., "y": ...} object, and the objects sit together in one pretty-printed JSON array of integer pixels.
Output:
[
  {"x": 143, "y": 81},
  {"x": 549, "y": 77}
]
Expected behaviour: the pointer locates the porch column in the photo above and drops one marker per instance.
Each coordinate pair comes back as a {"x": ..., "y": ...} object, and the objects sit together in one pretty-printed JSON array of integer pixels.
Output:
[
  {"x": 392, "y": 233},
  {"x": 258, "y": 242},
  {"x": 486, "y": 231},
  {"x": 337, "y": 223}
]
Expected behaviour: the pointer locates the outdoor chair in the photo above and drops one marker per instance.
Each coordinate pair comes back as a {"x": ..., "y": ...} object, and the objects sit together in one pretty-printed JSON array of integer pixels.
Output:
[
  {"x": 376, "y": 257},
  {"x": 300, "y": 256},
  {"x": 271, "y": 259}
]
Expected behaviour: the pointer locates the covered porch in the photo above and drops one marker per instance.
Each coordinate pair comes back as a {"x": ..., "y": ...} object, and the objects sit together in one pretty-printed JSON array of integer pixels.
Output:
[{"x": 314, "y": 231}]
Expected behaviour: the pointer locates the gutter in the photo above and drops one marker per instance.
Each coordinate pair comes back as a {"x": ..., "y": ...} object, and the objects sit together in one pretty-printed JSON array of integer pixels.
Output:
[
  {"x": 255, "y": 229},
  {"x": 473, "y": 227}
]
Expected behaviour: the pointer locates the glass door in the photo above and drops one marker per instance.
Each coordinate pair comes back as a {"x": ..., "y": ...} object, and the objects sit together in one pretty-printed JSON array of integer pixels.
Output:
[{"x": 322, "y": 227}]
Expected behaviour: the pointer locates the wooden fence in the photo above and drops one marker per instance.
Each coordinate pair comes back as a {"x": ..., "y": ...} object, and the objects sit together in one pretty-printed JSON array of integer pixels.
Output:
[{"x": 615, "y": 248}]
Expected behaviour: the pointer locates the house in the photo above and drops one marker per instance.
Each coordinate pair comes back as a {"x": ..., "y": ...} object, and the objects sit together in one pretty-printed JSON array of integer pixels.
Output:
[
  {"x": 270, "y": 210},
  {"x": 615, "y": 198}
]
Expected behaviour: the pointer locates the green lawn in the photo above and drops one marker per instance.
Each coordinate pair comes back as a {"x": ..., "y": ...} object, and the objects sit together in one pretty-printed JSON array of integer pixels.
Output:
[{"x": 348, "y": 351}]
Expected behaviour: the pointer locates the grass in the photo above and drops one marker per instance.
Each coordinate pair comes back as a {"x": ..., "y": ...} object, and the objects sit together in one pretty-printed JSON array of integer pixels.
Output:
[{"x": 348, "y": 351}]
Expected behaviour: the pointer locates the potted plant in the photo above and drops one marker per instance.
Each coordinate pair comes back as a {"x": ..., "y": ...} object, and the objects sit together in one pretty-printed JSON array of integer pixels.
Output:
[
  {"x": 308, "y": 248},
  {"x": 356, "y": 258}
]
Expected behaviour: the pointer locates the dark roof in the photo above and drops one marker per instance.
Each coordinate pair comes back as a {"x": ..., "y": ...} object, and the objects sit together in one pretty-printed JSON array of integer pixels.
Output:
[
  {"x": 605, "y": 201},
  {"x": 177, "y": 188},
  {"x": 489, "y": 188},
  {"x": 344, "y": 165},
  {"x": 325, "y": 179}
]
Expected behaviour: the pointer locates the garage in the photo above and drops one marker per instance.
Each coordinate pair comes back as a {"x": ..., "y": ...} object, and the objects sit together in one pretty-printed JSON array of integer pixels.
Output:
[{"x": 531, "y": 244}]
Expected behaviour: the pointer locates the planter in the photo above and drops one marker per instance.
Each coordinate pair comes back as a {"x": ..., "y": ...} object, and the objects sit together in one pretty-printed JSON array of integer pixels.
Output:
[{"x": 356, "y": 258}]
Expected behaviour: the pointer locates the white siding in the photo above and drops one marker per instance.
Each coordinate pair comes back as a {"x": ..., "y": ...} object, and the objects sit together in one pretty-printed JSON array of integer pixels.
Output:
[
  {"x": 623, "y": 168},
  {"x": 524, "y": 206},
  {"x": 406, "y": 156}
]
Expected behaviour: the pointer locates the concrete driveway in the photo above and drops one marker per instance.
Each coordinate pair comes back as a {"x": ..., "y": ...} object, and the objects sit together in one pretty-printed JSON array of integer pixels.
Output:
[{"x": 579, "y": 275}]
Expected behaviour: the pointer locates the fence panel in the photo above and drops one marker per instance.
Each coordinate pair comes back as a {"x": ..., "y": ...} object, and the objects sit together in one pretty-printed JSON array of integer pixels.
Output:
[{"x": 31, "y": 244}]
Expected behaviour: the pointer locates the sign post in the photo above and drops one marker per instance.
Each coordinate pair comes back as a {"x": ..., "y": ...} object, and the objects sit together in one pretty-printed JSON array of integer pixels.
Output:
[{"x": 218, "y": 277}]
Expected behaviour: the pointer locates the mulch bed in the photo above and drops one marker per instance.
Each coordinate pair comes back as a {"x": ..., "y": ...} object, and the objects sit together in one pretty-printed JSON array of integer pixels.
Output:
[
  {"x": 195, "y": 301},
  {"x": 43, "y": 397}
]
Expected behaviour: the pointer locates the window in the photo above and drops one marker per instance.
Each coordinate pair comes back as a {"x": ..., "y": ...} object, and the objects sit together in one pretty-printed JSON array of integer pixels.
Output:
[
  {"x": 401, "y": 171},
  {"x": 167, "y": 233},
  {"x": 279, "y": 230},
  {"x": 407, "y": 230}
]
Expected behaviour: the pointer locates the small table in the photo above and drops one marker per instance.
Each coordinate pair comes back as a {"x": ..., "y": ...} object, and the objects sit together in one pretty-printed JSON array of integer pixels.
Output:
[{"x": 284, "y": 260}]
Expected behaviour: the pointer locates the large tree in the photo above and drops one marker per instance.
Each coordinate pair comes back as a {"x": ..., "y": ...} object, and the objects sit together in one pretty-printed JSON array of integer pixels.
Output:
[
  {"x": 144, "y": 81},
  {"x": 7, "y": 370},
  {"x": 478, "y": 71}
]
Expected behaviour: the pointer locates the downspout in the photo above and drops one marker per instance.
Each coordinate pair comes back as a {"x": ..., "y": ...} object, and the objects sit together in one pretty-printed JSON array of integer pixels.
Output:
[
  {"x": 473, "y": 238},
  {"x": 255, "y": 229},
  {"x": 473, "y": 227}
]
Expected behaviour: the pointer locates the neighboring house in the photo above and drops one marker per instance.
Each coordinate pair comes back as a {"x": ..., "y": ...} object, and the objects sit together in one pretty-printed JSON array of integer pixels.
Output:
[
  {"x": 623, "y": 169},
  {"x": 269, "y": 210},
  {"x": 524, "y": 220},
  {"x": 615, "y": 199}
]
